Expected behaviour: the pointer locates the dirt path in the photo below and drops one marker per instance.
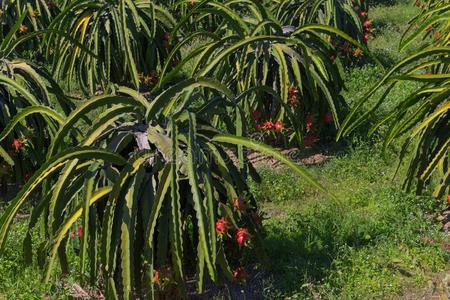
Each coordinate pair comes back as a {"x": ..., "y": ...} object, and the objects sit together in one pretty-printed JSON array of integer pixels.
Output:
[{"x": 438, "y": 289}]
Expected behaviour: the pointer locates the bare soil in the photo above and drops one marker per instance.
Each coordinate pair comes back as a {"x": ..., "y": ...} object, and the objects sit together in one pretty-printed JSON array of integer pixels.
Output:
[{"x": 438, "y": 288}]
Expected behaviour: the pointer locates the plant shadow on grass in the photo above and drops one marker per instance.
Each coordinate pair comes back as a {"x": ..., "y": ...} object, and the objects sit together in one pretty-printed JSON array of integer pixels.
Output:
[
  {"x": 316, "y": 250},
  {"x": 367, "y": 241},
  {"x": 303, "y": 248}
]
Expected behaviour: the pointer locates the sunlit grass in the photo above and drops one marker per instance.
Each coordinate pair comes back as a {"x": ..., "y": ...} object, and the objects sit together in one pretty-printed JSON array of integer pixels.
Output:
[{"x": 367, "y": 244}]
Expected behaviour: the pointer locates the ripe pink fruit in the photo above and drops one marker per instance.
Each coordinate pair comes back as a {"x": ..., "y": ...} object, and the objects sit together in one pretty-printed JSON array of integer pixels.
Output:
[
  {"x": 367, "y": 24},
  {"x": 156, "y": 279},
  {"x": 222, "y": 226},
  {"x": 293, "y": 91},
  {"x": 240, "y": 274},
  {"x": 278, "y": 125},
  {"x": 80, "y": 231},
  {"x": 366, "y": 38},
  {"x": 268, "y": 125},
  {"x": 17, "y": 145},
  {"x": 242, "y": 236}
]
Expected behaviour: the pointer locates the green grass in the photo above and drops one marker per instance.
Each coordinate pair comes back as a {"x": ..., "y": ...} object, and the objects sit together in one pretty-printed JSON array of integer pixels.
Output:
[
  {"x": 389, "y": 24},
  {"x": 367, "y": 244},
  {"x": 19, "y": 281}
]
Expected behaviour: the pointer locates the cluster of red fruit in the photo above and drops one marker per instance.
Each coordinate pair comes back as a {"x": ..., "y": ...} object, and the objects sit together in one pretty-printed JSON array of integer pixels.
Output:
[
  {"x": 79, "y": 232},
  {"x": 346, "y": 48},
  {"x": 367, "y": 25},
  {"x": 242, "y": 236},
  {"x": 311, "y": 136},
  {"x": 270, "y": 126},
  {"x": 437, "y": 34},
  {"x": 17, "y": 145},
  {"x": 267, "y": 125},
  {"x": 162, "y": 275},
  {"x": 223, "y": 226}
]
